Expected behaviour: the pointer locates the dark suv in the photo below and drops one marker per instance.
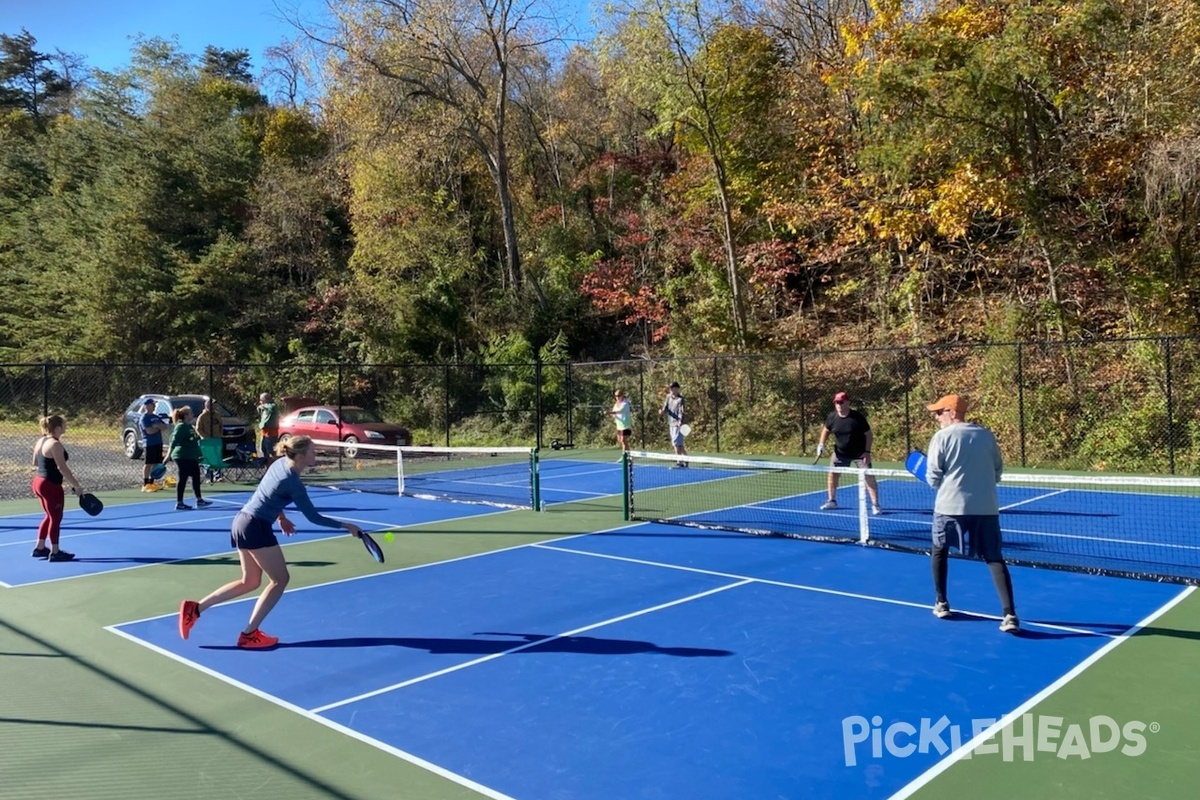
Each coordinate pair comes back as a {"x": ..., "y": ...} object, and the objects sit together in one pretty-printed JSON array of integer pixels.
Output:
[{"x": 237, "y": 430}]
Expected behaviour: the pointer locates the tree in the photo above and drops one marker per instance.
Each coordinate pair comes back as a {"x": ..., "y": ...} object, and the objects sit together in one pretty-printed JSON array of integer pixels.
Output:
[
  {"x": 711, "y": 83},
  {"x": 465, "y": 56},
  {"x": 27, "y": 82},
  {"x": 231, "y": 65}
]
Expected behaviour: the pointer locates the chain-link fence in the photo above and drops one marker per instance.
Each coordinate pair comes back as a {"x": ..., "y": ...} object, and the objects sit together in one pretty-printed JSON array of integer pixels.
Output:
[{"x": 1124, "y": 405}]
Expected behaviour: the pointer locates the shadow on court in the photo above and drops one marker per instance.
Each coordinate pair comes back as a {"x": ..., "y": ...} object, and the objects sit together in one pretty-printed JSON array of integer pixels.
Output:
[
  {"x": 231, "y": 561},
  {"x": 104, "y": 682},
  {"x": 525, "y": 642}
]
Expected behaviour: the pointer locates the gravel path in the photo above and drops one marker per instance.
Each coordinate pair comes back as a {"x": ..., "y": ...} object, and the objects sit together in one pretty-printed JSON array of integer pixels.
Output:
[{"x": 98, "y": 465}]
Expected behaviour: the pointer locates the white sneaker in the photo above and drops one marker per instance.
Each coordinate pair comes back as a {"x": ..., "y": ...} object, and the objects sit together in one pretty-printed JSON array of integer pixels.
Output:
[
  {"x": 1010, "y": 624},
  {"x": 829, "y": 505},
  {"x": 877, "y": 511},
  {"x": 941, "y": 609}
]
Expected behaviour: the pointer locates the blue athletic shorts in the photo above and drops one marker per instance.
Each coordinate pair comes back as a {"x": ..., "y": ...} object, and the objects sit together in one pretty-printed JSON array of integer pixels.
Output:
[
  {"x": 981, "y": 534},
  {"x": 248, "y": 532}
]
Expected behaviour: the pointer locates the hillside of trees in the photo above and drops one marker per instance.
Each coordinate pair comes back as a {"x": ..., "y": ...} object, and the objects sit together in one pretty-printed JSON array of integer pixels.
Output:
[{"x": 421, "y": 181}]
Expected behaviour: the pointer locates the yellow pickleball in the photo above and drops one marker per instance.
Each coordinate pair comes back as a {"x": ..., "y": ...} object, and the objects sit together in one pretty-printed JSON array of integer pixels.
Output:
[{"x": 389, "y": 536}]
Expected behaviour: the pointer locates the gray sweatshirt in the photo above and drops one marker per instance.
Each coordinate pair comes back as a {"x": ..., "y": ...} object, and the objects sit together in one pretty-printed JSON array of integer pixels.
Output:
[{"x": 964, "y": 465}]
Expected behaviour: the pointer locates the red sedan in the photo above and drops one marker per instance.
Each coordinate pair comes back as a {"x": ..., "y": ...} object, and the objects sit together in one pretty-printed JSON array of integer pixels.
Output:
[{"x": 352, "y": 425}]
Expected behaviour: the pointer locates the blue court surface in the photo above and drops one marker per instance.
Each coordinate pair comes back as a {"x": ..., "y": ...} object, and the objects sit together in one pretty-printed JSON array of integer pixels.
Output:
[
  {"x": 153, "y": 532},
  {"x": 659, "y": 661}
]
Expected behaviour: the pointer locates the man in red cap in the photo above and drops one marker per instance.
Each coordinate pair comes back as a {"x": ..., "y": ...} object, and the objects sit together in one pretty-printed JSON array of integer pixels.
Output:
[
  {"x": 852, "y": 444},
  {"x": 964, "y": 465}
]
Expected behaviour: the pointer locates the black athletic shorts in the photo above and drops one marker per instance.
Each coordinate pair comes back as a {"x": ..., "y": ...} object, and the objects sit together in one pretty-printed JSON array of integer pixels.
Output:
[
  {"x": 248, "y": 532},
  {"x": 979, "y": 533},
  {"x": 154, "y": 454}
]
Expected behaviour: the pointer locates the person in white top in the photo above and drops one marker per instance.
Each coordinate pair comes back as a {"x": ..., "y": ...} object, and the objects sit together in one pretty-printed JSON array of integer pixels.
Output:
[{"x": 622, "y": 415}]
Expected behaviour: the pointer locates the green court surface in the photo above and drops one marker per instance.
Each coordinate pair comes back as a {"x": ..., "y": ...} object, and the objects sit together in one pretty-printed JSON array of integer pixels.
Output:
[{"x": 87, "y": 714}]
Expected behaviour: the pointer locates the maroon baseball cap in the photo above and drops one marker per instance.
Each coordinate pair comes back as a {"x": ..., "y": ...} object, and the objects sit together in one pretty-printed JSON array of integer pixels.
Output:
[{"x": 840, "y": 396}]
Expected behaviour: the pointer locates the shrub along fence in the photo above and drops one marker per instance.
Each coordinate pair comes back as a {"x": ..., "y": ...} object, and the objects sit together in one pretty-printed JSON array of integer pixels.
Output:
[{"x": 1124, "y": 405}]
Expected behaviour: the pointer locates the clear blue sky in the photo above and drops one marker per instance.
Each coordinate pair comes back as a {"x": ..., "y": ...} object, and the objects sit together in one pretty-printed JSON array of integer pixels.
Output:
[{"x": 102, "y": 31}]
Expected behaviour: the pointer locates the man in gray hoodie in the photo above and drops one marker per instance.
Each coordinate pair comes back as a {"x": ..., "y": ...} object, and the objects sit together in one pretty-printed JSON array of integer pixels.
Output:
[{"x": 964, "y": 465}]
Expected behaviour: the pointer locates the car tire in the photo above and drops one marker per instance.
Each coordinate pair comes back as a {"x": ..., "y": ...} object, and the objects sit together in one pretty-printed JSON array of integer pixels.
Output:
[
  {"x": 350, "y": 450},
  {"x": 132, "y": 449}
]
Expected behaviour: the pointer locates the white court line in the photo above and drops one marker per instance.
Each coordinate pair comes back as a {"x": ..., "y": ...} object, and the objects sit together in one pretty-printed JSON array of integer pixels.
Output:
[
  {"x": 369, "y": 525},
  {"x": 526, "y": 646},
  {"x": 84, "y": 534},
  {"x": 1033, "y": 499},
  {"x": 804, "y": 587},
  {"x": 353, "y": 734},
  {"x": 1109, "y": 539},
  {"x": 570, "y": 476},
  {"x": 408, "y": 568},
  {"x": 1012, "y": 716},
  {"x": 896, "y": 521}
]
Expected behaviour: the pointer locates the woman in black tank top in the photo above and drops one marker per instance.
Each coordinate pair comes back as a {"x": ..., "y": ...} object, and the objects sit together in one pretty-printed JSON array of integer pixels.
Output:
[{"x": 50, "y": 460}]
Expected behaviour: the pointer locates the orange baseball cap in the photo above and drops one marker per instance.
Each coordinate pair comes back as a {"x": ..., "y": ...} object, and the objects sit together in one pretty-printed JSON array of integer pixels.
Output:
[{"x": 959, "y": 404}]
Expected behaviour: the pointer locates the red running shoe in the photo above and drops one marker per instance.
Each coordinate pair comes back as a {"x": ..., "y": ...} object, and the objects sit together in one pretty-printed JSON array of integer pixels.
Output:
[
  {"x": 189, "y": 612},
  {"x": 256, "y": 640}
]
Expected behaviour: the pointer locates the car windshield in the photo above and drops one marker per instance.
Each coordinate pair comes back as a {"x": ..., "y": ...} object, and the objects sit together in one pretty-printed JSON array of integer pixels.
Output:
[{"x": 359, "y": 415}]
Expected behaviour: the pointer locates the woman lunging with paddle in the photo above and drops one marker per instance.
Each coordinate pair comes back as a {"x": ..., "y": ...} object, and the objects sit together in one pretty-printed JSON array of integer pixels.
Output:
[{"x": 252, "y": 533}]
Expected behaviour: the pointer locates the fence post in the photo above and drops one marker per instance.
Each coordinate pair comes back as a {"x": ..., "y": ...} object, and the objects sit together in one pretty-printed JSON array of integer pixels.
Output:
[
  {"x": 45, "y": 388},
  {"x": 803, "y": 410},
  {"x": 446, "y": 400},
  {"x": 909, "y": 372},
  {"x": 642, "y": 399},
  {"x": 716, "y": 395},
  {"x": 1021, "y": 398},
  {"x": 570, "y": 400},
  {"x": 1170, "y": 408},
  {"x": 537, "y": 381},
  {"x": 341, "y": 399}
]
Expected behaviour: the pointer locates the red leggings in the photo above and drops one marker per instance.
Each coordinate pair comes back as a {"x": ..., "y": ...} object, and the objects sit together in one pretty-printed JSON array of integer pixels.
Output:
[{"x": 52, "y": 497}]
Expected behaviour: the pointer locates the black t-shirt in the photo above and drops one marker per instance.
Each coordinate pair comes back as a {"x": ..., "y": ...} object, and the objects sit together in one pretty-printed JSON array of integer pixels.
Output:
[{"x": 849, "y": 433}]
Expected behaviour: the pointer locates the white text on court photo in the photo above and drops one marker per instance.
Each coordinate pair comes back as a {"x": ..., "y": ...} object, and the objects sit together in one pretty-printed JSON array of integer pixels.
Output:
[{"x": 1022, "y": 740}]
